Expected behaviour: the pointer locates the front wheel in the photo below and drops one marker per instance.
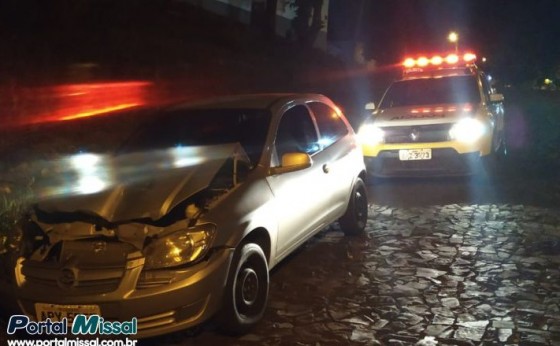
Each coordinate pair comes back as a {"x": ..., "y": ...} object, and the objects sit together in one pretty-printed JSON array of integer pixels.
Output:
[
  {"x": 354, "y": 220},
  {"x": 491, "y": 163},
  {"x": 499, "y": 146},
  {"x": 246, "y": 291}
]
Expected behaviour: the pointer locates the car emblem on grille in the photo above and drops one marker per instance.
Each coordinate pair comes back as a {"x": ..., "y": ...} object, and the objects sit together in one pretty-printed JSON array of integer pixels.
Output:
[
  {"x": 414, "y": 134},
  {"x": 99, "y": 247},
  {"x": 67, "y": 278}
]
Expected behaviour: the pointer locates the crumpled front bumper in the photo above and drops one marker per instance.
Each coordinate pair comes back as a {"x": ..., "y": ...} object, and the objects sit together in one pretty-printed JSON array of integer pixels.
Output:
[{"x": 163, "y": 301}]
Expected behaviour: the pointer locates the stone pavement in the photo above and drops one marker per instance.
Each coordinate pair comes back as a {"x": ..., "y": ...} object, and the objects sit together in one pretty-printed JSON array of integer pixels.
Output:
[
  {"x": 443, "y": 275},
  {"x": 440, "y": 275}
]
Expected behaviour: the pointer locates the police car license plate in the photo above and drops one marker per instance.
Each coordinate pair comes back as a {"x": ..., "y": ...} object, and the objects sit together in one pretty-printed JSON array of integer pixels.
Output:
[
  {"x": 58, "y": 312},
  {"x": 415, "y": 154}
]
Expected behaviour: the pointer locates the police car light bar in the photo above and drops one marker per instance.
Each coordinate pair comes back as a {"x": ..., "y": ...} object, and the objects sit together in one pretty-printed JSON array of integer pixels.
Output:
[{"x": 437, "y": 60}]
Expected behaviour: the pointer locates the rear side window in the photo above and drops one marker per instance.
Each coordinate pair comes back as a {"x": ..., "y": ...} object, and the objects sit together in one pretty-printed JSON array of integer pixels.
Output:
[
  {"x": 331, "y": 126},
  {"x": 485, "y": 86}
]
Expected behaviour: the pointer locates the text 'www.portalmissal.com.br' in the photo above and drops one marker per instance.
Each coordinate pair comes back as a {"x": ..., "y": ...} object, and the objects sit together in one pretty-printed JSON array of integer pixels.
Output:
[{"x": 91, "y": 328}]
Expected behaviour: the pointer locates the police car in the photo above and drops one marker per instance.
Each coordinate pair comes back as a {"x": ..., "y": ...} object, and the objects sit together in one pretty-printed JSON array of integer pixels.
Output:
[{"x": 442, "y": 118}]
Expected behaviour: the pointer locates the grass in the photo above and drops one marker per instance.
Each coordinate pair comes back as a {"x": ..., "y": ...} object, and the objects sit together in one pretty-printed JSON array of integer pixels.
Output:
[{"x": 533, "y": 124}]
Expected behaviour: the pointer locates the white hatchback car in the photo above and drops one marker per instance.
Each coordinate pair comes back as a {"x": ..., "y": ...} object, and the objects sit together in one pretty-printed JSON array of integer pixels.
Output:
[{"x": 185, "y": 222}]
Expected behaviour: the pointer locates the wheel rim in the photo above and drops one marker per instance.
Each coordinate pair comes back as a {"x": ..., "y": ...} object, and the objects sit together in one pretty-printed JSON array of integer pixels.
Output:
[
  {"x": 249, "y": 286},
  {"x": 360, "y": 204}
]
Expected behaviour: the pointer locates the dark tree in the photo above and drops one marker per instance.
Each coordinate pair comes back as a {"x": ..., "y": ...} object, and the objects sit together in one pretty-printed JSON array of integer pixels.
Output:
[
  {"x": 308, "y": 21},
  {"x": 270, "y": 14}
]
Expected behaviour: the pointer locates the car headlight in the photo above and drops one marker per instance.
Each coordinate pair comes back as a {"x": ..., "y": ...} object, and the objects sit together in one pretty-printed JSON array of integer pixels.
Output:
[
  {"x": 371, "y": 134},
  {"x": 178, "y": 248},
  {"x": 467, "y": 130}
]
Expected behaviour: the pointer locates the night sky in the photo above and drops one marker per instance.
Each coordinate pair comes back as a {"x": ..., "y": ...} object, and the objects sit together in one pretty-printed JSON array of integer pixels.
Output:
[{"x": 520, "y": 38}]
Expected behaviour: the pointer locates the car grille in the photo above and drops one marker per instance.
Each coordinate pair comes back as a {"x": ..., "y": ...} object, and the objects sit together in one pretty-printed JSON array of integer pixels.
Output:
[
  {"x": 417, "y": 134},
  {"x": 78, "y": 267},
  {"x": 89, "y": 280},
  {"x": 157, "y": 321}
]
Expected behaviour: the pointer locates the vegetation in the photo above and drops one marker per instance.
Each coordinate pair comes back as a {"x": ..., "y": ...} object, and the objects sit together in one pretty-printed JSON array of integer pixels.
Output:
[{"x": 308, "y": 21}]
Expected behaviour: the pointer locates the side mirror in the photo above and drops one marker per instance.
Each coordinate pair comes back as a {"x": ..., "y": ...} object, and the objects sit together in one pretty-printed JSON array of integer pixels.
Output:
[
  {"x": 292, "y": 162},
  {"x": 370, "y": 106},
  {"x": 496, "y": 97}
]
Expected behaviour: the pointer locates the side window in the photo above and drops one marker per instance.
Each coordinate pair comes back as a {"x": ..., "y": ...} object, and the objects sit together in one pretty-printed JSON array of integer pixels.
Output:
[
  {"x": 296, "y": 132},
  {"x": 485, "y": 86},
  {"x": 331, "y": 126}
]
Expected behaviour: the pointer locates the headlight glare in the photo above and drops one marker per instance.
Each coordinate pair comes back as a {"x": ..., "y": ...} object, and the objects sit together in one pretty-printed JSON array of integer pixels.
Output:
[
  {"x": 371, "y": 134},
  {"x": 467, "y": 130},
  {"x": 178, "y": 248}
]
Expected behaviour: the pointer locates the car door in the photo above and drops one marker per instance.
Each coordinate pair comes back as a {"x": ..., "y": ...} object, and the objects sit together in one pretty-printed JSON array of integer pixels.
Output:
[
  {"x": 340, "y": 150},
  {"x": 301, "y": 197}
]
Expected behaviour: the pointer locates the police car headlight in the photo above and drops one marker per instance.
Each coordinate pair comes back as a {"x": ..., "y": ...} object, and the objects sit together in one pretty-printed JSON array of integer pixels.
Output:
[
  {"x": 467, "y": 130},
  {"x": 178, "y": 248},
  {"x": 371, "y": 134}
]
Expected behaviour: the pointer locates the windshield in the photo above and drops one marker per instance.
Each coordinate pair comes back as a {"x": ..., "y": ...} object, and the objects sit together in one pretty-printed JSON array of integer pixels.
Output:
[
  {"x": 199, "y": 127},
  {"x": 426, "y": 91}
]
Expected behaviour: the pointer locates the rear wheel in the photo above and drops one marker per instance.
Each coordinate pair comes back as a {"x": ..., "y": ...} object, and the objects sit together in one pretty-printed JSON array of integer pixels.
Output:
[
  {"x": 246, "y": 291},
  {"x": 354, "y": 221}
]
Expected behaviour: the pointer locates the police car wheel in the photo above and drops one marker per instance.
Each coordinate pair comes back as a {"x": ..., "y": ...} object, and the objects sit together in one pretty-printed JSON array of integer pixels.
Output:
[{"x": 499, "y": 147}]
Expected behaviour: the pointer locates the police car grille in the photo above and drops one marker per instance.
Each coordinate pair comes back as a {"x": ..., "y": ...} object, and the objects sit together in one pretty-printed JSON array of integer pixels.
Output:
[{"x": 417, "y": 134}]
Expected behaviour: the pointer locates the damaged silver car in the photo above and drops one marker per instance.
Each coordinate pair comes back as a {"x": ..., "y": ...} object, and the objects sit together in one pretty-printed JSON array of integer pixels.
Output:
[{"x": 185, "y": 221}]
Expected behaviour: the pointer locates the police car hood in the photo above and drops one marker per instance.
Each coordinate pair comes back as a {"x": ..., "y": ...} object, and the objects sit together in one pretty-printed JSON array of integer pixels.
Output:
[
  {"x": 147, "y": 189},
  {"x": 422, "y": 115}
]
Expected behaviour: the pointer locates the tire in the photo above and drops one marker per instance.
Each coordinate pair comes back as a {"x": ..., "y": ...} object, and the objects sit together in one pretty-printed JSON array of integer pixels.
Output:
[
  {"x": 499, "y": 149},
  {"x": 354, "y": 220},
  {"x": 246, "y": 291},
  {"x": 491, "y": 163}
]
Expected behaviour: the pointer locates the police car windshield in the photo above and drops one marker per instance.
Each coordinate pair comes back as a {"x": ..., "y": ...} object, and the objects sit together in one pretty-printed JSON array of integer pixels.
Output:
[{"x": 427, "y": 91}]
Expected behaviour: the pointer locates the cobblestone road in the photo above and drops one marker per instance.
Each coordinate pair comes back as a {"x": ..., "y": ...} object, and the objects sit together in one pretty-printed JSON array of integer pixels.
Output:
[
  {"x": 441, "y": 275},
  {"x": 428, "y": 271}
]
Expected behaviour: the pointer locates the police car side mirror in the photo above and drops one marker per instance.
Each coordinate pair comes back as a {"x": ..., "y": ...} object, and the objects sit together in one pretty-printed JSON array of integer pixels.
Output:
[
  {"x": 370, "y": 106},
  {"x": 496, "y": 97}
]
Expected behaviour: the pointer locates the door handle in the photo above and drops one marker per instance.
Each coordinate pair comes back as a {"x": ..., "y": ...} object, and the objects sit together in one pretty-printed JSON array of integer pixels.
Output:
[{"x": 326, "y": 168}]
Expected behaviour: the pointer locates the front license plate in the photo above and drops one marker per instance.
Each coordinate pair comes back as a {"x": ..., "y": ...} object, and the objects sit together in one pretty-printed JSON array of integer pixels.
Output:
[
  {"x": 58, "y": 312},
  {"x": 415, "y": 154}
]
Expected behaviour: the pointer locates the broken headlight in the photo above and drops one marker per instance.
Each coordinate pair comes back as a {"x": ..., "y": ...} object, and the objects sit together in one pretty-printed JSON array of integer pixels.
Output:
[{"x": 178, "y": 248}]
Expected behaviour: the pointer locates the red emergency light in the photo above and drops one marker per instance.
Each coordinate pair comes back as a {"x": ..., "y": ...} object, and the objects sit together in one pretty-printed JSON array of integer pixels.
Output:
[{"x": 438, "y": 60}]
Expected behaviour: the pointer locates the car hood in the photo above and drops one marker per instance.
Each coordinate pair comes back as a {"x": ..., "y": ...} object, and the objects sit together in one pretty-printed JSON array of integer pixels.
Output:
[
  {"x": 147, "y": 189},
  {"x": 422, "y": 115}
]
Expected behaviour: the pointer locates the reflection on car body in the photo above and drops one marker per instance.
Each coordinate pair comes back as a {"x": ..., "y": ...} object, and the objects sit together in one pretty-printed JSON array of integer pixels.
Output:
[
  {"x": 441, "y": 118},
  {"x": 186, "y": 220}
]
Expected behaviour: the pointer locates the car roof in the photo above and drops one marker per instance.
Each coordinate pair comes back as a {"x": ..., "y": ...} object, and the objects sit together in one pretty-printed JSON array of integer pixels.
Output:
[{"x": 252, "y": 101}]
